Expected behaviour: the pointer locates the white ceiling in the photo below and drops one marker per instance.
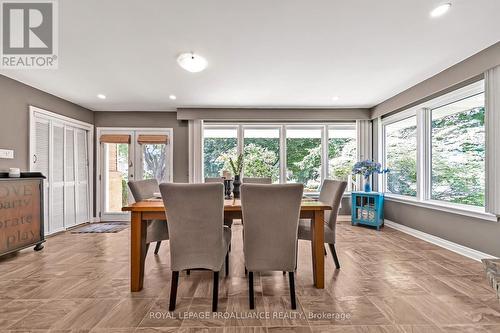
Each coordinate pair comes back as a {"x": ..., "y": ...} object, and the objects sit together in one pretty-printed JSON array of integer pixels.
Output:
[{"x": 261, "y": 53}]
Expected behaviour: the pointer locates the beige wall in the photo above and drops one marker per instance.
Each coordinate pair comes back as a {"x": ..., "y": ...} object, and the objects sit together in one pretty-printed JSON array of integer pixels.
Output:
[
  {"x": 154, "y": 119},
  {"x": 15, "y": 99}
]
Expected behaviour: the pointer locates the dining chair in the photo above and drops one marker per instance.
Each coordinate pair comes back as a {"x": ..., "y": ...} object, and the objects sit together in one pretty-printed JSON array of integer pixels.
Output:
[
  {"x": 157, "y": 230},
  {"x": 198, "y": 238},
  {"x": 271, "y": 214},
  {"x": 331, "y": 193},
  {"x": 214, "y": 180},
  {"x": 257, "y": 180}
]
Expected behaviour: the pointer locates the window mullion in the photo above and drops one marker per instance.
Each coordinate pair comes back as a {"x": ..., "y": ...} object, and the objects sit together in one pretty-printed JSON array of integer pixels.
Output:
[
  {"x": 282, "y": 154},
  {"x": 324, "y": 154},
  {"x": 424, "y": 154}
]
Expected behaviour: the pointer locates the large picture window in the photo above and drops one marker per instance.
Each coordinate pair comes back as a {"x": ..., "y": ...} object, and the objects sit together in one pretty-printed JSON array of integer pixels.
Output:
[
  {"x": 401, "y": 156},
  {"x": 458, "y": 152},
  {"x": 288, "y": 153},
  {"x": 436, "y": 151},
  {"x": 218, "y": 145}
]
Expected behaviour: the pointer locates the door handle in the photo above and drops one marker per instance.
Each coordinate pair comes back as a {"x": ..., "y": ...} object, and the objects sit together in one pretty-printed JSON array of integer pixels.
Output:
[{"x": 34, "y": 158}]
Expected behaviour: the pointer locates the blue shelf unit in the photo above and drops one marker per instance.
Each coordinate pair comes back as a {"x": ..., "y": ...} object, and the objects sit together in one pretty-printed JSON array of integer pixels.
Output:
[{"x": 367, "y": 208}]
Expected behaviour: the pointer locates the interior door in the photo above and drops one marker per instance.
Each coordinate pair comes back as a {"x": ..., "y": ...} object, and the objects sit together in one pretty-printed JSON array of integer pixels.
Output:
[
  {"x": 69, "y": 178},
  {"x": 40, "y": 160},
  {"x": 82, "y": 177},
  {"x": 56, "y": 202}
]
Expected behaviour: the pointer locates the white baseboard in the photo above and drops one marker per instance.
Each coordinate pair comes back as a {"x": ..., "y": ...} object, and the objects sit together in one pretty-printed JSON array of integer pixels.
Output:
[
  {"x": 457, "y": 248},
  {"x": 344, "y": 218}
]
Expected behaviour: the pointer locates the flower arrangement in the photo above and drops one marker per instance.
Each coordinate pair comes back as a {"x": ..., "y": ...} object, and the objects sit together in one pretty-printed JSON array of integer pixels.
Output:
[
  {"x": 368, "y": 168},
  {"x": 237, "y": 166}
]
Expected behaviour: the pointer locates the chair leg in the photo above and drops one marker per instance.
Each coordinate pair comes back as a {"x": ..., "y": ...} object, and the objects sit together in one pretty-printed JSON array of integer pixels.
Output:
[
  {"x": 173, "y": 290},
  {"x": 227, "y": 264},
  {"x": 157, "y": 248},
  {"x": 291, "y": 279},
  {"x": 250, "y": 291},
  {"x": 215, "y": 292},
  {"x": 334, "y": 255},
  {"x": 324, "y": 248},
  {"x": 188, "y": 272},
  {"x": 246, "y": 271}
]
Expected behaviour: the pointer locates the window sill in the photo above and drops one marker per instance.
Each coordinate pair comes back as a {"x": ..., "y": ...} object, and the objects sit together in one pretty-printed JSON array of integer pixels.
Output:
[{"x": 477, "y": 213}]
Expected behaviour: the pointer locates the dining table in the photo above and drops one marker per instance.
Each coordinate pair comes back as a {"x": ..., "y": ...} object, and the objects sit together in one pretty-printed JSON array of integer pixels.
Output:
[{"x": 154, "y": 209}]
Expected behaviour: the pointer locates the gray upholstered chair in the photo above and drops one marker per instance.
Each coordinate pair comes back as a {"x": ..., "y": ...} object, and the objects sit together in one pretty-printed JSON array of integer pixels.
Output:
[
  {"x": 157, "y": 230},
  {"x": 256, "y": 180},
  {"x": 214, "y": 180},
  {"x": 331, "y": 193},
  {"x": 271, "y": 214},
  {"x": 198, "y": 238}
]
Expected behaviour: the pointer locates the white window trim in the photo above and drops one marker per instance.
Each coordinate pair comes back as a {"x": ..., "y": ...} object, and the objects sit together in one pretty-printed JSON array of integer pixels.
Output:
[
  {"x": 423, "y": 116},
  {"x": 324, "y": 127}
]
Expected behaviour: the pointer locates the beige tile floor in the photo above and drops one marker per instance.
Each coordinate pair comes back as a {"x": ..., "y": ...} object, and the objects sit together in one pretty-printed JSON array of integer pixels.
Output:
[{"x": 389, "y": 282}]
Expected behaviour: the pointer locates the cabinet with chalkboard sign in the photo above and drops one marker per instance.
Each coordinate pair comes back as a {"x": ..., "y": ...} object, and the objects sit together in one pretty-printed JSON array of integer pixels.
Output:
[{"x": 21, "y": 212}]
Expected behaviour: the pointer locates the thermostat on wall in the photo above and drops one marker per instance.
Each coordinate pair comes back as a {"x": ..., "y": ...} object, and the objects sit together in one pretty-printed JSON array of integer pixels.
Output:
[{"x": 6, "y": 153}]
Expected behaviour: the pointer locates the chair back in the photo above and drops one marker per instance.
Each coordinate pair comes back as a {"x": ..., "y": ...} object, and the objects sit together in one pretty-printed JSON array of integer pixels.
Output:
[
  {"x": 256, "y": 180},
  {"x": 143, "y": 189},
  {"x": 271, "y": 217},
  {"x": 331, "y": 193},
  {"x": 214, "y": 180},
  {"x": 195, "y": 214}
]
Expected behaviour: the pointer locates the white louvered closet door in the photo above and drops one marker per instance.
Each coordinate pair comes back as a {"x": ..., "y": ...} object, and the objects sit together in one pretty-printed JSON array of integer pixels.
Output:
[
  {"x": 56, "y": 221},
  {"x": 69, "y": 178},
  {"x": 82, "y": 177},
  {"x": 41, "y": 159}
]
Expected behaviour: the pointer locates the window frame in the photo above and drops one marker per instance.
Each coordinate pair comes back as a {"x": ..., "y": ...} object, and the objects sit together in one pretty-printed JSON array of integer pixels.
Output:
[
  {"x": 423, "y": 113},
  {"x": 283, "y": 126}
]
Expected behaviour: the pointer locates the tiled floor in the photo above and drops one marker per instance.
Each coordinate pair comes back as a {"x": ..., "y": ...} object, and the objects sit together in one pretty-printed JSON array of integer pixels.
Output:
[{"x": 389, "y": 282}]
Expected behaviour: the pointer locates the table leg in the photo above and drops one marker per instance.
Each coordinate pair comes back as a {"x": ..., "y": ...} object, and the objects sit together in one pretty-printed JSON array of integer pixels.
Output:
[
  {"x": 138, "y": 249},
  {"x": 317, "y": 243}
]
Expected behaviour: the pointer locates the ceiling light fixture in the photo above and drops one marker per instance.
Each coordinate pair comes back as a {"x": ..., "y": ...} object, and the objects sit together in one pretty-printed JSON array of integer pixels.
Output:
[
  {"x": 335, "y": 98},
  {"x": 440, "y": 10},
  {"x": 172, "y": 97},
  {"x": 192, "y": 62},
  {"x": 101, "y": 96}
]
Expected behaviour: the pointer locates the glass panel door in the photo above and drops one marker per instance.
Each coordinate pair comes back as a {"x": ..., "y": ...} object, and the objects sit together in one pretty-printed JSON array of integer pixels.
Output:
[{"x": 153, "y": 160}]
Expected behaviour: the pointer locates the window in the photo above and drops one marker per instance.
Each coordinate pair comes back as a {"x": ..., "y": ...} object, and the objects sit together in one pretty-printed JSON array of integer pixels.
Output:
[
  {"x": 436, "y": 150},
  {"x": 303, "y": 157},
  {"x": 458, "y": 152},
  {"x": 401, "y": 156},
  {"x": 218, "y": 145},
  {"x": 342, "y": 152},
  {"x": 288, "y": 153},
  {"x": 261, "y": 147}
]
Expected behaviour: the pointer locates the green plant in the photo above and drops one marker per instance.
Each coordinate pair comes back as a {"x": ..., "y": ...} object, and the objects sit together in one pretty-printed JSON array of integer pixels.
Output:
[{"x": 236, "y": 166}]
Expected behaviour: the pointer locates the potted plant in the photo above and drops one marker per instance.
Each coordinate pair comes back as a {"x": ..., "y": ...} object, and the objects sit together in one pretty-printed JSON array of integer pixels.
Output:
[
  {"x": 368, "y": 168},
  {"x": 237, "y": 167}
]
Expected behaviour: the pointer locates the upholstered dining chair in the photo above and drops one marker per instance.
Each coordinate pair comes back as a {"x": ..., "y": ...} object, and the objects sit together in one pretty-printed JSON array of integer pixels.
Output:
[
  {"x": 157, "y": 230},
  {"x": 331, "y": 193},
  {"x": 256, "y": 180},
  {"x": 214, "y": 180},
  {"x": 198, "y": 238},
  {"x": 271, "y": 214}
]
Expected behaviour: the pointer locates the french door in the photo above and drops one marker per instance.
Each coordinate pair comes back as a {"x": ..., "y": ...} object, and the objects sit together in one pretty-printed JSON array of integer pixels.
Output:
[
  {"x": 127, "y": 155},
  {"x": 59, "y": 149}
]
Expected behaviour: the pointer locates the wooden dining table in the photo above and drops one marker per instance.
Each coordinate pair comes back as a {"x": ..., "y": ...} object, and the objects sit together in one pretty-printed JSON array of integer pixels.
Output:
[{"x": 154, "y": 209}]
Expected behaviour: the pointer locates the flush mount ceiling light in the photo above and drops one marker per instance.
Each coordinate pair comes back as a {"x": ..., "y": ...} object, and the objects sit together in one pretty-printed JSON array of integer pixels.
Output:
[
  {"x": 172, "y": 97},
  {"x": 440, "y": 10},
  {"x": 101, "y": 96},
  {"x": 335, "y": 98},
  {"x": 192, "y": 62}
]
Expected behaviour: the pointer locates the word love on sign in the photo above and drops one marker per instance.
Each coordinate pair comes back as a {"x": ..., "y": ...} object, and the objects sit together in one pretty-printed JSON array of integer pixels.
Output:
[{"x": 19, "y": 214}]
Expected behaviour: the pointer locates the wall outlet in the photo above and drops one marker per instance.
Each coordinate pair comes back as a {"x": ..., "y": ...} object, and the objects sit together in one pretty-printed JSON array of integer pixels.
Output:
[{"x": 6, "y": 153}]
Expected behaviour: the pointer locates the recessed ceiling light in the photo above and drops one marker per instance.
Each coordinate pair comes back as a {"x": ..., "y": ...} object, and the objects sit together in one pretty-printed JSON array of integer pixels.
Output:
[
  {"x": 192, "y": 62},
  {"x": 440, "y": 10},
  {"x": 101, "y": 96},
  {"x": 172, "y": 97},
  {"x": 335, "y": 98}
]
